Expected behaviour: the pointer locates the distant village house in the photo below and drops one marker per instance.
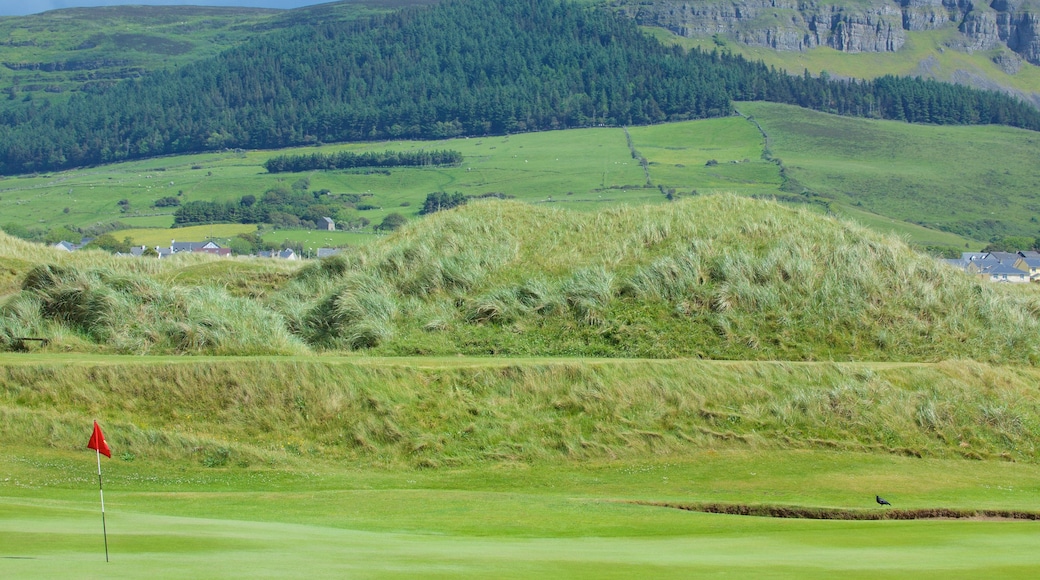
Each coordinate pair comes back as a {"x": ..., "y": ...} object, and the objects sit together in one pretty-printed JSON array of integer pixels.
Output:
[{"x": 1013, "y": 267}]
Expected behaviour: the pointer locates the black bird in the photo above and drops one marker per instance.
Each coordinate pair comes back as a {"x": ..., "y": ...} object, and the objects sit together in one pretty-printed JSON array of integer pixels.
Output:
[{"x": 881, "y": 500}]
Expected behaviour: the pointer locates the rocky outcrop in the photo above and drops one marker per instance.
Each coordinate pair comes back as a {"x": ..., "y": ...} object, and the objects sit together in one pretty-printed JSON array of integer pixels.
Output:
[
  {"x": 778, "y": 24},
  {"x": 1023, "y": 35},
  {"x": 878, "y": 26}
]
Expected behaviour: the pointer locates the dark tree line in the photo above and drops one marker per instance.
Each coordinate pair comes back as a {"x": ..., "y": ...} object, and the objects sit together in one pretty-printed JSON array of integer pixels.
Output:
[
  {"x": 350, "y": 160},
  {"x": 278, "y": 206},
  {"x": 442, "y": 200},
  {"x": 462, "y": 67}
]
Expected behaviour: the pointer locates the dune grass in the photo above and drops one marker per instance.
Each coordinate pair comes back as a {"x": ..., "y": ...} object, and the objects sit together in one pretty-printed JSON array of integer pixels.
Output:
[
  {"x": 711, "y": 276},
  {"x": 715, "y": 277},
  {"x": 403, "y": 413}
]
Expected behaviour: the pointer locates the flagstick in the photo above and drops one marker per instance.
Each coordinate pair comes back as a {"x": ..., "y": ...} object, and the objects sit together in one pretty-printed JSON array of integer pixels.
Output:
[{"x": 101, "y": 489}]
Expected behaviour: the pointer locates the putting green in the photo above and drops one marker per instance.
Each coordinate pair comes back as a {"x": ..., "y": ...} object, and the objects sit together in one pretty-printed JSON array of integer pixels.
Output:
[{"x": 519, "y": 521}]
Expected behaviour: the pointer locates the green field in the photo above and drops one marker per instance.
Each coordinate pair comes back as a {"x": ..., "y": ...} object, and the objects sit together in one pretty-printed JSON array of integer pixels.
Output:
[
  {"x": 973, "y": 181},
  {"x": 581, "y": 169},
  {"x": 953, "y": 187}
]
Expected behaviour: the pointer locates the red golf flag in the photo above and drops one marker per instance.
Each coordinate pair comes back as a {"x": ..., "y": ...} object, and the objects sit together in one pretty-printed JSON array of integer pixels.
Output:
[{"x": 97, "y": 442}]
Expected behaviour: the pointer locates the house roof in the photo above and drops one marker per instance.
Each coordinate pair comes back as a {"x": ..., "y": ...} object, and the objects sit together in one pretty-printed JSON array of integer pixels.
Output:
[
  {"x": 1003, "y": 270},
  {"x": 192, "y": 246},
  {"x": 214, "y": 251},
  {"x": 1008, "y": 257},
  {"x": 326, "y": 252},
  {"x": 972, "y": 256},
  {"x": 286, "y": 254}
]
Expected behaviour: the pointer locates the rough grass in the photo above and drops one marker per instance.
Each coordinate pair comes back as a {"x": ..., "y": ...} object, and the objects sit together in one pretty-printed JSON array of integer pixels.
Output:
[
  {"x": 715, "y": 277},
  {"x": 712, "y": 277},
  {"x": 92, "y": 301},
  {"x": 430, "y": 414}
]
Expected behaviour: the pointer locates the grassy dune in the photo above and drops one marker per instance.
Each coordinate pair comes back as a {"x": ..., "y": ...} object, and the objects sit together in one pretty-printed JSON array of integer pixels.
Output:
[
  {"x": 716, "y": 277},
  {"x": 712, "y": 277}
]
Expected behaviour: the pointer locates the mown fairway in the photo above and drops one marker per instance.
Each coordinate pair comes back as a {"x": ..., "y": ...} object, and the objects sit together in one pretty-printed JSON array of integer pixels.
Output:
[{"x": 516, "y": 521}]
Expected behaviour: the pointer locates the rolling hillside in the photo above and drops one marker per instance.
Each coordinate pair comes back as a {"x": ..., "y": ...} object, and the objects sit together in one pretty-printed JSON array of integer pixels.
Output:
[
  {"x": 944, "y": 188},
  {"x": 55, "y": 54}
]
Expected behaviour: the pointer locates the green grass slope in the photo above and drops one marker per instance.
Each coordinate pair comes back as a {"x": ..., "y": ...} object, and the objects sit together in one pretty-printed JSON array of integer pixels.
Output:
[
  {"x": 54, "y": 54},
  {"x": 976, "y": 182}
]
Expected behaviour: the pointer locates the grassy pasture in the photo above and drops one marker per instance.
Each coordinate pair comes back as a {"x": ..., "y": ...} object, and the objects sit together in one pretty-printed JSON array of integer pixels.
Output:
[
  {"x": 581, "y": 169},
  {"x": 945, "y": 186},
  {"x": 163, "y": 237},
  {"x": 977, "y": 182},
  {"x": 937, "y": 185}
]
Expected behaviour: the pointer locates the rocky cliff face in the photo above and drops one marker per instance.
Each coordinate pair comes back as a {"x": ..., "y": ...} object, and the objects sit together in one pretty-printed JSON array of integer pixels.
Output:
[{"x": 877, "y": 26}]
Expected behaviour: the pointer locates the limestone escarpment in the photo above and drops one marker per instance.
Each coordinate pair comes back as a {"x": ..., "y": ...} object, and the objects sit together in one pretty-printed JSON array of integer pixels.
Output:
[{"x": 867, "y": 26}]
